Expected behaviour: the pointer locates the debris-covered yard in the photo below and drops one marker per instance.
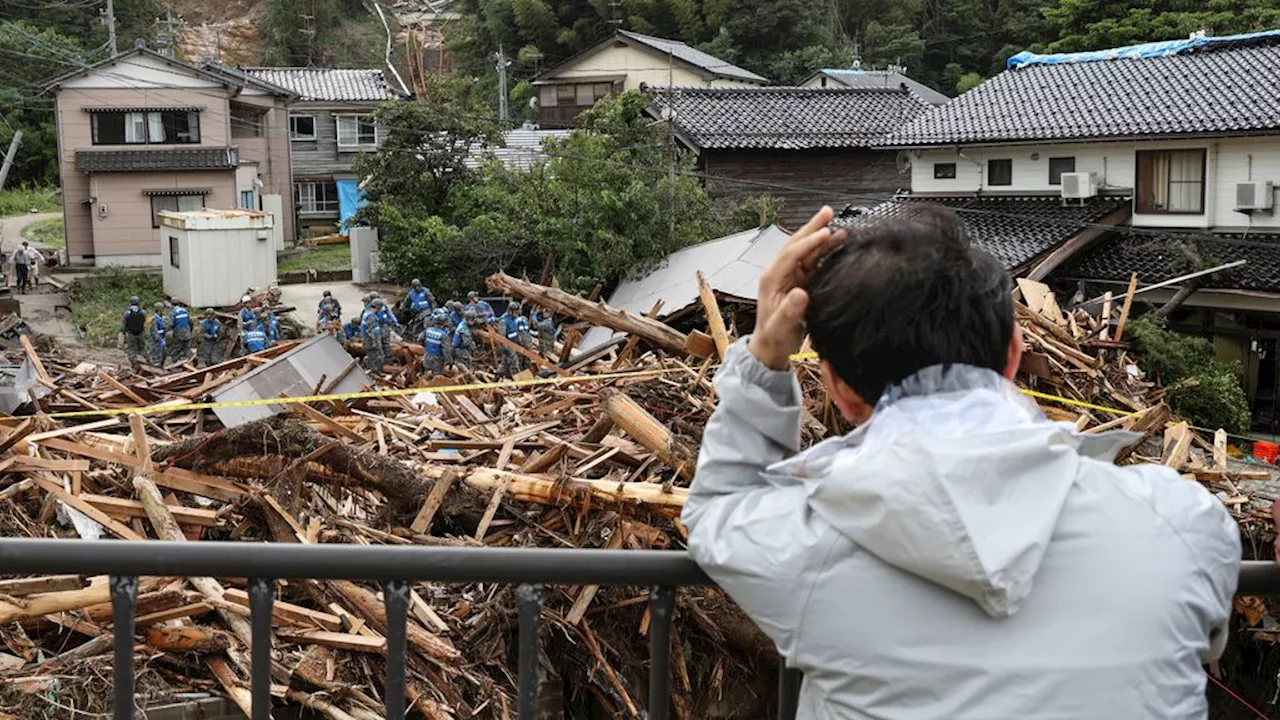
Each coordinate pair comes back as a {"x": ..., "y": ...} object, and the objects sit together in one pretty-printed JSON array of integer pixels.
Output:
[{"x": 578, "y": 461}]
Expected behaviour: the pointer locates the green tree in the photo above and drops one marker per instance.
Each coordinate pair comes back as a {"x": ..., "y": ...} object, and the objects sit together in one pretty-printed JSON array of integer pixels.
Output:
[
  {"x": 1201, "y": 388},
  {"x": 30, "y": 56},
  {"x": 1094, "y": 24}
]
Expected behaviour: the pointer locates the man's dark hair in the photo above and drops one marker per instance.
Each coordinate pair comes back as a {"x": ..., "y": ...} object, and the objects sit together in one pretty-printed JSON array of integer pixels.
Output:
[{"x": 907, "y": 293}]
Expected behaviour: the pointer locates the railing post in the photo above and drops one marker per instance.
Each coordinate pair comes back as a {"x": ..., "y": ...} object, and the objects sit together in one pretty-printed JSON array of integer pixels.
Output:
[
  {"x": 261, "y": 598},
  {"x": 124, "y": 596},
  {"x": 789, "y": 682},
  {"x": 662, "y": 603},
  {"x": 396, "y": 597},
  {"x": 529, "y": 610}
]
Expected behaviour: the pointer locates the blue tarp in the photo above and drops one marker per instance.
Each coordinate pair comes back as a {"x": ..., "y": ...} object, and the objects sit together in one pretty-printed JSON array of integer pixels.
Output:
[
  {"x": 349, "y": 200},
  {"x": 1130, "y": 52}
]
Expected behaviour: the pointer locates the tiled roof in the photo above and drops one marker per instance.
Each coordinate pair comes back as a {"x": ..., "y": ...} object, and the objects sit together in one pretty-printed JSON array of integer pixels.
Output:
[
  {"x": 693, "y": 56},
  {"x": 196, "y": 158},
  {"x": 1156, "y": 258},
  {"x": 1223, "y": 88},
  {"x": 786, "y": 118},
  {"x": 327, "y": 84},
  {"x": 1015, "y": 230},
  {"x": 881, "y": 79}
]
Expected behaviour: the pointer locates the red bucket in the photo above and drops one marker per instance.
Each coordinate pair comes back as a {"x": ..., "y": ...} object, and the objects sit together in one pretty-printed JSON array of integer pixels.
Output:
[{"x": 1265, "y": 451}]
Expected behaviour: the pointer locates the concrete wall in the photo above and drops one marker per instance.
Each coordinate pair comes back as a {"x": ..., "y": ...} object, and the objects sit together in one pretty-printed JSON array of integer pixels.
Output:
[{"x": 1227, "y": 161}]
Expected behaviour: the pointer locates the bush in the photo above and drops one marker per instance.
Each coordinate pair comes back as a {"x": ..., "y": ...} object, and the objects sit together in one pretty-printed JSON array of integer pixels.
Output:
[
  {"x": 1201, "y": 388},
  {"x": 98, "y": 301},
  {"x": 50, "y": 232},
  {"x": 22, "y": 200}
]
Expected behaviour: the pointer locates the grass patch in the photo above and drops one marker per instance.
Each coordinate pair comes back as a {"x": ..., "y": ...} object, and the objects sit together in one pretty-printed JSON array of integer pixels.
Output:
[
  {"x": 21, "y": 200},
  {"x": 50, "y": 232},
  {"x": 98, "y": 301},
  {"x": 321, "y": 258}
]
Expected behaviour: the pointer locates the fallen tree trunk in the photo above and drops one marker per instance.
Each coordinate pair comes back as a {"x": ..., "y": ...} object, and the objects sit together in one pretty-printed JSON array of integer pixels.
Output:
[
  {"x": 645, "y": 428},
  {"x": 569, "y": 492},
  {"x": 653, "y": 331}
]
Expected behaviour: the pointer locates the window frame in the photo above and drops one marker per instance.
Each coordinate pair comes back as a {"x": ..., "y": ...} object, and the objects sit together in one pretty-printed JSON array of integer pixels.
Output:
[
  {"x": 294, "y": 136},
  {"x": 167, "y": 120},
  {"x": 1138, "y": 195},
  {"x": 252, "y": 198},
  {"x": 250, "y": 122},
  {"x": 1060, "y": 160},
  {"x": 940, "y": 171},
  {"x": 177, "y": 205},
  {"x": 359, "y": 120},
  {"x": 1005, "y": 162},
  {"x": 174, "y": 260},
  {"x": 315, "y": 205}
]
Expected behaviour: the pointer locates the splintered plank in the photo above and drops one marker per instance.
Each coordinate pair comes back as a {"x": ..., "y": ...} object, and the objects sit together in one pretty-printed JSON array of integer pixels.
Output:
[
  {"x": 124, "y": 507},
  {"x": 342, "y": 641},
  {"x": 422, "y": 523},
  {"x": 289, "y": 614},
  {"x": 52, "y": 487},
  {"x": 173, "y": 478},
  {"x": 51, "y": 583},
  {"x": 34, "y": 357}
]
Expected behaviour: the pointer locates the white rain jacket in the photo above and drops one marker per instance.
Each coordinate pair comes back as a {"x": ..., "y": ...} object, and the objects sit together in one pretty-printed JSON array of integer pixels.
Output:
[{"x": 960, "y": 557}]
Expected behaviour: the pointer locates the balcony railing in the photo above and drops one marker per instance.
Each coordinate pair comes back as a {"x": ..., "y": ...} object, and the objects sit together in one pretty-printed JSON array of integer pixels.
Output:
[{"x": 396, "y": 568}]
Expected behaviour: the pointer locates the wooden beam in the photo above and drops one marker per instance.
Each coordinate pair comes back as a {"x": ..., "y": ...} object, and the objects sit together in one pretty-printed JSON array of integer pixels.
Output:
[
  {"x": 124, "y": 390},
  {"x": 1080, "y": 242},
  {"x": 325, "y": 421},
  {"x": 51, "y": 485},
  {"x": 715, "y": 321},
  {"x": 342, "y": 641},
  {"x": 1124, "y": 309},
  {"x": 128, "y": 508},
  {"x": 48, "y": 584},
  {"x": 34, "y": 357},
  {"x": 533, "y": 357},
  {"x": 173, "y": 478},
  {"x": 288, "y": 613}
]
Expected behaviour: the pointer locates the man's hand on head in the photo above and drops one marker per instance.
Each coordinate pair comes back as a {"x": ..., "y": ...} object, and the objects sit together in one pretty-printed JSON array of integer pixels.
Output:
[{"x": 784, "y": 295}]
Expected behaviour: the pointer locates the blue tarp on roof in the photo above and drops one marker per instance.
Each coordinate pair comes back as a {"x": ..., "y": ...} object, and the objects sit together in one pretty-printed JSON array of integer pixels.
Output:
[{"x": 1133, "y": 52}]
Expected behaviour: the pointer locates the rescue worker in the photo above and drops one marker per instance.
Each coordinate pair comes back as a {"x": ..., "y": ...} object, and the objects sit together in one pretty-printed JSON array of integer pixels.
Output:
[
  {"x": 210, "y": 351},
  {"x": 371, "y": 338},
  {"x": 328, "y": 313},
  {"x": 386, "y": 321},
  {"x": 255, "y": 338},
  {"x": 181, "y": 324},
  {"x": 509, "y": 326},
  {"x": 271, "y": 326},
  {"x": 420, "y": 300},
  {"x": 484, "y": 311},
  {"x": 455, "y": 313},
  {"x": 133, "y": 327},
  {"x": 544, "y": 322},
  {"x": 246, "y": 312},
  {"x": 463, "y": 343},
  {"x": 351, "y": 329},
  {"x": 433, "y": 343},
  {"x": 159, "y": 332}
]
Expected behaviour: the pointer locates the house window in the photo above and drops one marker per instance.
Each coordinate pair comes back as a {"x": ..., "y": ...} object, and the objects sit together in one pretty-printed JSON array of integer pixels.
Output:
[
  {"x": 247, "y": 122},
  {"x": 302, "y": 127},
  {"x": 357, "y": 131},
  {"x": 547, "y": 96},
  {"x": 1000, "y": 172},
  {"x": 247, "y": 200},
  {"x": 1170, "y": 181},
  {"x": 173, "y": 203},
  {"x": 317, "y": 197},
  {"x": 566, "y": 94},
  {"x": 173, "y": 252},
  {"x": 944, "y": 171},
  {"x": 1060, "y": 165},
  {"x": 156, "y": 127}
]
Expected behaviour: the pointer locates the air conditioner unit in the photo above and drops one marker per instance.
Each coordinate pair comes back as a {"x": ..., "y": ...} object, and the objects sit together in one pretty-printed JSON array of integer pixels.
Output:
[
  {"x": 1079, "y": 185},
  {"x": 1254, "y": 196}
]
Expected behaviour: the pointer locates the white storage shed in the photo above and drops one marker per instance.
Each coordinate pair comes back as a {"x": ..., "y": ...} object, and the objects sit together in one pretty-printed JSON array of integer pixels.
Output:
[{"x": 211, "y": 256}]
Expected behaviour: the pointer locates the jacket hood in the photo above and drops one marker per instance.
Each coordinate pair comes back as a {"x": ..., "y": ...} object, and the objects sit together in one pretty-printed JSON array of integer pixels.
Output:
[{"x": 957, "y": 478}]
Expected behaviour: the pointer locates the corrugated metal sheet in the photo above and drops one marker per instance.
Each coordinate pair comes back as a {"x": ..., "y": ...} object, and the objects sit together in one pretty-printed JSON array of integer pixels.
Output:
[
  {"x": 732, "y": 265},
  {"x": 295, "y": 374}
]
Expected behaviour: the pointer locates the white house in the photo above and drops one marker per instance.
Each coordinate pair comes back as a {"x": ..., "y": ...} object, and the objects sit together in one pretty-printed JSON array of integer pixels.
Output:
[{"x": 1092, "y": 166}]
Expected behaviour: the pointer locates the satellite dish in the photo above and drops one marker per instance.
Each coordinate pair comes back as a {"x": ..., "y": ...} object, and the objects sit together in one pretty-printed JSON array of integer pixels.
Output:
[{"x": 904, "y": 162}]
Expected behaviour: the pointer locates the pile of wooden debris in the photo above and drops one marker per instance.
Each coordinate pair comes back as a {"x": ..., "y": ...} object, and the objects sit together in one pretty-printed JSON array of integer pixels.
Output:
[{"x": 599, "y": 456}]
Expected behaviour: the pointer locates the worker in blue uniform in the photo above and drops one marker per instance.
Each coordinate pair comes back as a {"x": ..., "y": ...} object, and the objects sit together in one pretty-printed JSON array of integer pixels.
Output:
[
  {"x": 463, "y": 343},
  {"x": 420, "y": 299},
  {"x": 255, "y": 338},
  {"x": 159, "y": 334},
  {"x": 328, "y": 313},
  {"x": 484, "y": 311},
  {"x": 509, "y": 325},
  {"x": 371, "y": 339},
  {"x": 434, "y": 339},
  {"x": 387, "y": 321},
  {"x": 545, "y": 324},
  {"x": 180, "y": 344},
  {"x": 210, "y": 351}
]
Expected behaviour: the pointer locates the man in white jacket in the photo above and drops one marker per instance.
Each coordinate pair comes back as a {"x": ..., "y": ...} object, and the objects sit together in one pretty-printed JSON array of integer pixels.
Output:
[{"x": 958, "y": 556}]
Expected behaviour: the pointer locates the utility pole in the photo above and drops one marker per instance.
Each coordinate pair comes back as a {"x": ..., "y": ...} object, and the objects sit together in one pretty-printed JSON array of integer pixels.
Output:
[
  {"x": 8, "y": 157},
  {"x": 110, "y": 19},
  {"x": 503, "y": 64}
]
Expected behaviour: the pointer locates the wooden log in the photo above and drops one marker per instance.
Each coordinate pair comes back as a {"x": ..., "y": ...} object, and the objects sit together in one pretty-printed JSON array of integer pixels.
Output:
[
  {"x": 572, "y": 491},
  {"x": 97, "y": 593},
  {"x": 368, "y": 606},
  {"x": 715, "y": 320},
  {"x": 342, "y": 641},
  {"x": 181, "y": 639},
  {"x": 49, "y": 584},
  {"x": 645, "y": 428},
  {"x": 652, "y": 331}
]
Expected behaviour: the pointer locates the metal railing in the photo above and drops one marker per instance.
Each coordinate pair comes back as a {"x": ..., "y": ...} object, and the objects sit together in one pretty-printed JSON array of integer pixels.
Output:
[{"x": 396, "y": 567}]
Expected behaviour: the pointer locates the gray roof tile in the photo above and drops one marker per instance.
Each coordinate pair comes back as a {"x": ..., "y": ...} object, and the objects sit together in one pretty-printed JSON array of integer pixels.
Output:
[
  {"x": 1155, "y": 259},
  {"x": 881, "y": 79},
  {"x": 1014, "y": 229},
  {"x": 1222, "y": 88},
  {"x": 328, "y": 84},
  {"x": 193, "y": 158},
  {"x": 787, "y": 118},
  {"x": 693, "y": 56}
]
